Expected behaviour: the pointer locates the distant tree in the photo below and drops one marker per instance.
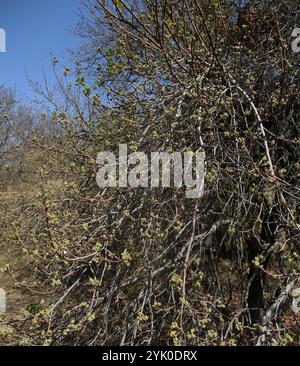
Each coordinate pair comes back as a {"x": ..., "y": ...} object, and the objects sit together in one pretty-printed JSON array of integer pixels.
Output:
[{"x": 16, "y": 125}]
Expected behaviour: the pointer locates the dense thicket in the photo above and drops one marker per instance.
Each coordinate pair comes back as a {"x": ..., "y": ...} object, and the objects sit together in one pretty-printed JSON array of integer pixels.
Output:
[{"x": 140, "y": 266}]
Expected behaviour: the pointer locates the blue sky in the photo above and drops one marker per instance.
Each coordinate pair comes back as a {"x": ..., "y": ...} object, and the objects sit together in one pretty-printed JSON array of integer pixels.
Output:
[{"x": 35, "y": 29}]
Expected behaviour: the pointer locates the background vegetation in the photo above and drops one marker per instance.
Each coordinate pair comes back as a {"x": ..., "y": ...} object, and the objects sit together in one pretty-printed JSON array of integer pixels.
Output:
[{"x": 135, "y": 266}]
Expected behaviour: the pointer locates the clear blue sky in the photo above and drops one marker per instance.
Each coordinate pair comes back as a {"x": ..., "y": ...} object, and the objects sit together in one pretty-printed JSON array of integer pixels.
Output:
[{"x": 35, "y": 29}]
